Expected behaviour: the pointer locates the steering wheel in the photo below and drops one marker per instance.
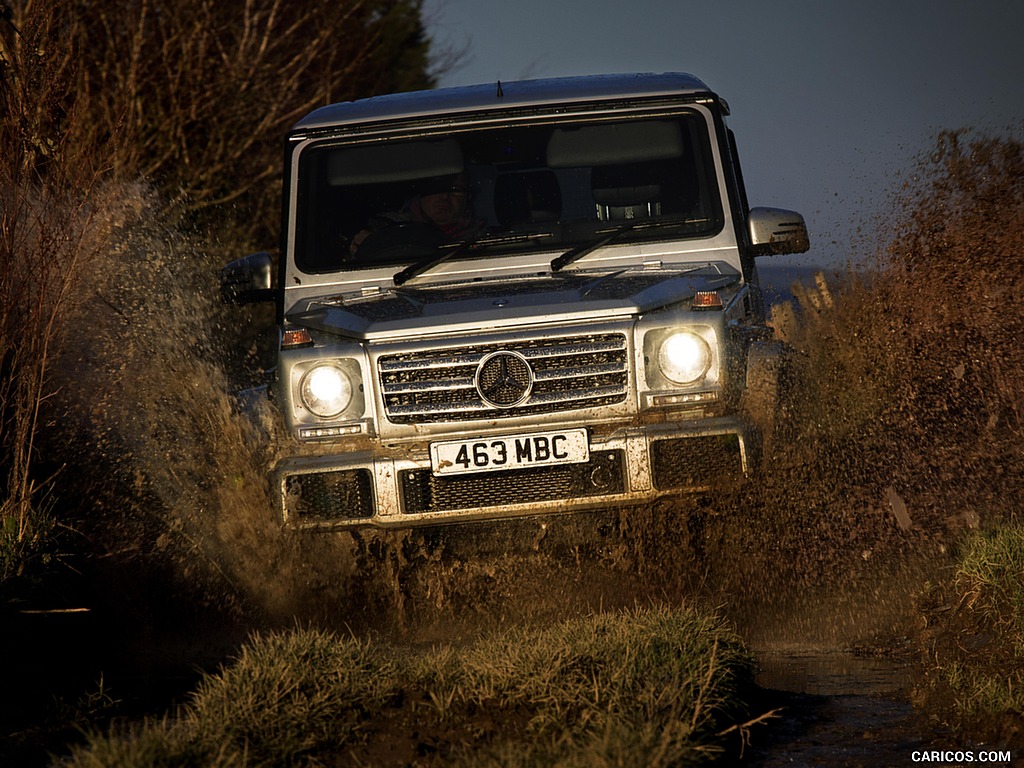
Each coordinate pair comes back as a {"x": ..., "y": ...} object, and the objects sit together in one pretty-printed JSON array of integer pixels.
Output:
[{"x": 399, "y": 241}]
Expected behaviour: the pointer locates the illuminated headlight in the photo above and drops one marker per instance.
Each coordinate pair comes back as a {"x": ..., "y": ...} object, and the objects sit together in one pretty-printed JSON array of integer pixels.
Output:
[
  {"x": 684, "y": 357},
  {"x": 325, "y": 390}
]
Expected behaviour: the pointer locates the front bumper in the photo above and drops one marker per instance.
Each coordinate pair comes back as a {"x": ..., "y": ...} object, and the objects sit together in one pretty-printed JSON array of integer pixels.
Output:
[{"x": 628, "y": 467}]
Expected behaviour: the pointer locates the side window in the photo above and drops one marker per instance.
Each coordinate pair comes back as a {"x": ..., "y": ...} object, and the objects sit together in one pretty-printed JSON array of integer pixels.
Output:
[
  {"x": 742, "y": 210},
  {"x": 734, "y": 157}
]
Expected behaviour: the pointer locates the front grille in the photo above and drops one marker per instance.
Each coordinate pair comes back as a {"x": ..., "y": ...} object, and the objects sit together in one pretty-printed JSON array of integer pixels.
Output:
[
  {"x": 568, "y": 374},
  {"x": 696, "y": 462},
  {"x": 341, "y": 495},
  {"x": 422, "y": 492}
]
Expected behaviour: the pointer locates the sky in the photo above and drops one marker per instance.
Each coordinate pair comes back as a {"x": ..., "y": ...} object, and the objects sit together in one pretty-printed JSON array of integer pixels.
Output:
[{"x": 833, "y": 101}]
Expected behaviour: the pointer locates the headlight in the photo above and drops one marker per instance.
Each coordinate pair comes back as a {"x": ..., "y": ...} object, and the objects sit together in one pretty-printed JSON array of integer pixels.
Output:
[
  {"x": 325, "y": 390},
  {"x": 684, "y": 357}
]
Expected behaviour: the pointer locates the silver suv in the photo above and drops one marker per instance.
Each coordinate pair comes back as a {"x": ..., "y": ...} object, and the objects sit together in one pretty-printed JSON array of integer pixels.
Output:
[{"x": 514, "y": 299}]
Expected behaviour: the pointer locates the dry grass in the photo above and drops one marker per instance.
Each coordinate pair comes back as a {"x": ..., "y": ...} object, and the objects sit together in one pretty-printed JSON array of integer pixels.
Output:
[{"x": 53, "y": 229}]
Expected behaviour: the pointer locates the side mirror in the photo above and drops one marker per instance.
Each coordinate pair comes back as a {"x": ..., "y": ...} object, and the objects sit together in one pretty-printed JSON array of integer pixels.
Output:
[
  {"x": 774, "y": 231},
  {"x": 247, "y": 280}
]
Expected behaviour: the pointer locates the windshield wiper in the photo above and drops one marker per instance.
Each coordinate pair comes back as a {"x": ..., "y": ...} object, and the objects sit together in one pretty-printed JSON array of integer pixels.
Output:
[
  {"x": 426, "y": 265},
  {"x": 575, "y": 254},
  {"x": 484, "y": 239},
  {"x": 560, "y": 262}
]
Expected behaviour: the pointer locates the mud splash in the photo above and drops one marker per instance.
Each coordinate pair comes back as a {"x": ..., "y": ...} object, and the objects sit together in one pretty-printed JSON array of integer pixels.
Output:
[{"x": 159, "y": 474}]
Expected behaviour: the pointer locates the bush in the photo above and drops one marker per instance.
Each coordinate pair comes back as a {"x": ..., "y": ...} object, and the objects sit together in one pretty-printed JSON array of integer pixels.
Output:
[
  {"x": 909, "y": 372},
  {"x": 954, "y": 267},
  {"x": 57, "y": 213},
  {"x": 129, "y": 124}
]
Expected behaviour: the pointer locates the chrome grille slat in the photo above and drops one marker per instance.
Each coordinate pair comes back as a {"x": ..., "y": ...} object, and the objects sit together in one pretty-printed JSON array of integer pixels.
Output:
[
  {"x": 569, "y": 374},
  {"x": 571, "y": 349},
  {"x": 397, "y": 366},
  {"x": 407, "y": 387},
  {"x": 577, "y": 373},
  {"x": 574, "y": 395},
  {"x": 577, "y": 397},
  {"x": 443, "y": 408}
]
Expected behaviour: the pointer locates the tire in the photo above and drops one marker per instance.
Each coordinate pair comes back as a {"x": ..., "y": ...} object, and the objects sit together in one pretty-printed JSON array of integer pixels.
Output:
[{"x": 765, "y": 396}]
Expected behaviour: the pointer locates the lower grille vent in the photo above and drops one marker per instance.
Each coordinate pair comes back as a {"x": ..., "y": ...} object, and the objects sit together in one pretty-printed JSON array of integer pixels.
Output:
[
  {"x": 603, "y": 475},
  {"x": 696, "y": 462},
  {"x": 343, "y": 495}
]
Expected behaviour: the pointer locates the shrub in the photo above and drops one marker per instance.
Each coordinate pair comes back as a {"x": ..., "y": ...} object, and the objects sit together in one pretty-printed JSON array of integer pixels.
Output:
[
  {"x": 909, "y": 373},
  {"x": 101, "y": 103},
  {"x": 57, "y": 212}
]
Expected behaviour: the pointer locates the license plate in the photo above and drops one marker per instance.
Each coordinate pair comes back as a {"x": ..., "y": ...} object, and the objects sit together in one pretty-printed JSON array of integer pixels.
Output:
[{"x": 490, "y": 454}]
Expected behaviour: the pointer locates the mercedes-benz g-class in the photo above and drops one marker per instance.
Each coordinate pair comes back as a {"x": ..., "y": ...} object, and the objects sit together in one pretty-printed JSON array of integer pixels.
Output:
[{"x": 516, "y": 298}]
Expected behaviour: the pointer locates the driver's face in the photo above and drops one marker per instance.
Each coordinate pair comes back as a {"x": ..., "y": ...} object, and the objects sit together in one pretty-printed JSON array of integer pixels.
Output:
[{"x": 444, "y": 208}]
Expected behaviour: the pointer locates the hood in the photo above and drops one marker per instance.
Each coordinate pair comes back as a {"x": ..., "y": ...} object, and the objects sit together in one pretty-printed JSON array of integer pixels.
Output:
[{"x": 494, "y": 304}]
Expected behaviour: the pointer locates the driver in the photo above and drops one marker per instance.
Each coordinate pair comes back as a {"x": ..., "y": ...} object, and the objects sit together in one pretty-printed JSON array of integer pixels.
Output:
[{"x": 440, "y": 202}]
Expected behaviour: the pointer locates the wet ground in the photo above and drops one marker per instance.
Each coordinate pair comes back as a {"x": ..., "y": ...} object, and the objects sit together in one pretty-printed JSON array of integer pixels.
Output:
[
  {"x": 834, "y": 666},
  {"x": 833, "y": 707},
  {"x": 837, "y": 709}
]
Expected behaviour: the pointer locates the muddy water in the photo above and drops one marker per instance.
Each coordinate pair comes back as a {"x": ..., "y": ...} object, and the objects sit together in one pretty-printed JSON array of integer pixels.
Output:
[
  {"x": 834, "y": 663},
  {"x": 836, "y": 708}
]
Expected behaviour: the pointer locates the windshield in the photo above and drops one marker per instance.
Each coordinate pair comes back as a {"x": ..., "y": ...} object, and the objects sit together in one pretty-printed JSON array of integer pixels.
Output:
[{"x": 484, "y": 191}]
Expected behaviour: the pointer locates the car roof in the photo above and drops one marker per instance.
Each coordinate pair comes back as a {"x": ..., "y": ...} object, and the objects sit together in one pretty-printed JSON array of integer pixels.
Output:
[{"x": 513, "y": 94}]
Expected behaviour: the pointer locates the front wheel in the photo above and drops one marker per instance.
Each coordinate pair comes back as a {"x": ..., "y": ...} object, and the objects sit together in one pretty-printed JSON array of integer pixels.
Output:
[{"x": 765, "y": 399}]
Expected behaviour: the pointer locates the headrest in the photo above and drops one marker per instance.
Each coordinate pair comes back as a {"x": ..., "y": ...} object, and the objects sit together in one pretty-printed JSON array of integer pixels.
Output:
[
  {"x": 441, "y": 184},
  {"x": 626, "y": 184},
  {"x": 529, "y": 196}
]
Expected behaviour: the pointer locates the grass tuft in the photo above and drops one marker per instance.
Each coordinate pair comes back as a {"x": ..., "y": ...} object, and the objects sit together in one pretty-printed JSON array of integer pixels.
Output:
[
  {"x": 651, "y": 688},
  {"x": 976, "y": 669}
]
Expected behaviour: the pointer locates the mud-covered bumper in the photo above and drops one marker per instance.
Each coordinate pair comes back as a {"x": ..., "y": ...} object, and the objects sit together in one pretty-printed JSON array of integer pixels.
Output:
[{"x": 628, "y": 467}]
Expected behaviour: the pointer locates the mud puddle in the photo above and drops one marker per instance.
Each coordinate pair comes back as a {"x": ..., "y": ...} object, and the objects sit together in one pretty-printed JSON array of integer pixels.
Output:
[
  {"x": 836, "y": 708},
  {"x": 838, "y": 666}
]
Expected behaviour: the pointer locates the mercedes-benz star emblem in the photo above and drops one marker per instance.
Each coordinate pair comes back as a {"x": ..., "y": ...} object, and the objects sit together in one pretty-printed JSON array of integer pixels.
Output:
[{"x": 504, "y": 379}]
